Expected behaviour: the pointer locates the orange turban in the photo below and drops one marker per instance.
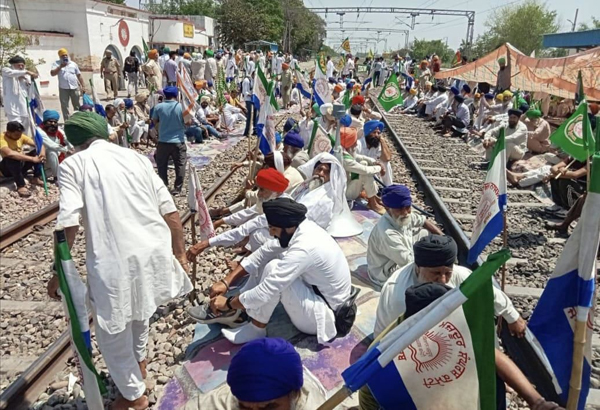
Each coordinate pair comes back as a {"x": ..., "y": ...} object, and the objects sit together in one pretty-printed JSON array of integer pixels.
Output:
[
  {"x": 272, "y": 180},
  {"x": 593, "y": 108},
  {"x": 358, "y": 99},
  {"x": 285, "y": 66},
  {"x": 152, "y": 54},
  {"x": 199, "y": 84},
  {"x": 187, "y": 55},
  {"x": 338, "y": 88},
  {"x": 348, "y": 137}
]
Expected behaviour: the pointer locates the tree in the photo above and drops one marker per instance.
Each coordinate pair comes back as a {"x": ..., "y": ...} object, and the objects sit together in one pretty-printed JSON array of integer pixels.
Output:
[
  {"x": 12, "y": 43},
  {"x": 116, "y": 1},
  {"x": 522, "y": 25},
  {"x": 585, "y": 26},
  {"x": 186, "y": 8},
  {"x": 419, "y": 49}
]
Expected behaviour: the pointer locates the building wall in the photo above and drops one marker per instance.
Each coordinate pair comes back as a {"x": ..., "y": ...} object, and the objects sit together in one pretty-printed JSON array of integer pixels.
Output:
[{"x": 169, "y": 31}]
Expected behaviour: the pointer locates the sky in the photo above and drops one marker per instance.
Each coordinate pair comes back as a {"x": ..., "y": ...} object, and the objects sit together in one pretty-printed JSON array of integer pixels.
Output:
[{"x": 447, "y": 28}]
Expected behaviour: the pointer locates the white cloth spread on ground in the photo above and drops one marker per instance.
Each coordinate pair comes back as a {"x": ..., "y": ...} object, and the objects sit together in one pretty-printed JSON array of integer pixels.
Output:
[
  {"x": 391, "y": 246},
  {"x": 131, "y": 269},
  {"x": 392, "y": 302},
  {"x": 313, "y": 258}
]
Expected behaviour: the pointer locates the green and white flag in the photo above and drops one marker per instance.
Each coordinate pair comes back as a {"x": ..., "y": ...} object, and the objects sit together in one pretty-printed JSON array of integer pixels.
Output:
[
  {"x": 74, "y": 299},
  {"x": 575, "y": 136},
  {"x": 391, "y": 94},
  {"x": 441, "y": 357}
]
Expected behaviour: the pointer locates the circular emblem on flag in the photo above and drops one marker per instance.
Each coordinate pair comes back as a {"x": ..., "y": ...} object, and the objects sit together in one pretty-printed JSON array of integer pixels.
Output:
[
  {"x": 123, "y": 33},
  {"x": 322, "y": 63},
  {"x": 441, "y": 355},
  {"x": 321, "y": 144},
  {"x": 486, "y": 209},
  {"x": 321, "y": 87},
  {"x": 574, "y": 130},
  {"x": 391, "y": 92}
]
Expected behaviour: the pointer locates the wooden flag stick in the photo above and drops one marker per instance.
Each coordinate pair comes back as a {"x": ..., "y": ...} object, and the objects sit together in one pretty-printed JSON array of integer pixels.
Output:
[
  {"x": 505, "y": 246},
  {"x": 577, "y": 367},
  {"x": 194, "y": 292},
  {"x": 565, "y": 169},
  {"x": 336, "y": 399}
]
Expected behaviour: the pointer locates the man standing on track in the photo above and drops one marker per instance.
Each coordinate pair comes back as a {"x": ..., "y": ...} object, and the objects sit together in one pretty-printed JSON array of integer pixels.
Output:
[
  {"x": 70, "y": 82},
  {"x": 109, "y": 70},
  {"x": 127, "y": 278}
]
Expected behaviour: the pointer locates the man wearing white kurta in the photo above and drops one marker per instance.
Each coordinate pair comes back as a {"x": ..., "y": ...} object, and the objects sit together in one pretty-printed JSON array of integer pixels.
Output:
[
  {"x": 391, "y": 242},
  {"x": 372, "y": 146},
  {"x": 16, "y": 82},
  {"x": 434, "y": 262},
  {"x": 121, "y": 200},
  {"x": 310, "y": 259},
  {"x": 515, "y": 137},
  {"x": 438, "y": 101}
]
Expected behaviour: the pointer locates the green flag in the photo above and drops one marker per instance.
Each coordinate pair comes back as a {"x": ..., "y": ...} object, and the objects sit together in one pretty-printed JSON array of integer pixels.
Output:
[
  {"x": 390, "y": 95},
  {"x": 346, "y": 100},
  {"x": 597, "y": 133},
  {"x": 146, "y": 49},
  {"x": 574, "y": 136}
]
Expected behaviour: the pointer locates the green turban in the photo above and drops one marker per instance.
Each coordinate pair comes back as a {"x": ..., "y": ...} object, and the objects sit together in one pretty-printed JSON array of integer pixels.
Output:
[
  {"x": 533, "y": 114},
  {"x": 166, "y": 50},
  {"x": 85, "y": 125},
  {"x": 502, "y": 60},
  {"x": 210, "y": 53},
  {"x": 317, "y": 109}
]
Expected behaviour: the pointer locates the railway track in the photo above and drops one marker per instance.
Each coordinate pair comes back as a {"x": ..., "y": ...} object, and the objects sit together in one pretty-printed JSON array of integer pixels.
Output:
[
  {"x": 441, "y": 169},
  {"x": 36, "y": 378},
  {"x": 25, "y": 226}
]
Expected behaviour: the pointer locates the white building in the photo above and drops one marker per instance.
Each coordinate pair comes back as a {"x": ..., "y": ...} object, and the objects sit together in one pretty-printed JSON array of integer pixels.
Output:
[{"x": 87, "y": 28}]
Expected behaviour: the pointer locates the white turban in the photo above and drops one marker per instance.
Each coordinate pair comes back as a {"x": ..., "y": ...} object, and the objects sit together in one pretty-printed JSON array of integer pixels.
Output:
[
  {"x": 337, "y": 177},
  {"x": 205, "y": 98}
]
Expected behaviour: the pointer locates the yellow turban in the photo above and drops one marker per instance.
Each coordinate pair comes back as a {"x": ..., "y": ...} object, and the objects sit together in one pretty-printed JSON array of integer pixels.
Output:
[
  {"x": 413, "y": 91},
  {"x": 187, "y": 55},
  {"x": 153, "y": 54},
  {"x": 500, "y": 97},
  {"x": 507, "y": 94},
  {"x": 62, "y": 52}
]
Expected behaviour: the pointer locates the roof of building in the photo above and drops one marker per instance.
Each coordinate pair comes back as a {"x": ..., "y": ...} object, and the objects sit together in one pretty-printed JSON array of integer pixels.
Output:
[{"x": 575, "y": 39}]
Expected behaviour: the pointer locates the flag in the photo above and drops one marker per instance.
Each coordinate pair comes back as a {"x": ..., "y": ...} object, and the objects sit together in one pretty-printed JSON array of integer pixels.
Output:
[
  {"x": 346, "y": 45},
  {"x": 35, "y": 104},
  {"x": 365, "y": 83},
  {"x": 188, "y": 93},
  {"x": 579, "y": 95},
  {"x": 301, "y": 83},
  {"x": 390, "y": 95},
  {"x": 260, "y": 90},
  {"x": 457, "y": 59},
  {"x": 574, "y": 136},
  {"x": 197, "y": 204},
  {"x": 320, "y": 141},
  {"x": 370, "y": 55},
  {"x": 39, "y": 142},
  {"x": 97, "y": 106},
  {"x": 265, "y": 128},
  {"x": 340, "y": 65},
  {"x": 321, "y": 90},
  {"x": 489, "y": 220},
  {"x": 346, "y": 100},
  {"x": 441, "y": 357},
  {"x": 74, "y": 299},
  {"x": 146, "y": 48},
  {"x": 569, "y": 295},
  {"x": 597, "y": 134}
]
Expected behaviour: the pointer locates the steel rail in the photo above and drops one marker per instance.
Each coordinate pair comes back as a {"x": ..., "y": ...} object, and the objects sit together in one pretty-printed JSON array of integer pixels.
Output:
[{"x": 25, "y": 226}]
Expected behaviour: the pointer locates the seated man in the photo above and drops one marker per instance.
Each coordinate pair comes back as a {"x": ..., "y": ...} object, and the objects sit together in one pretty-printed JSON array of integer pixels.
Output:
[
  {"x": 435, "y": 256},
  {"x": 391, "y": 241},
  {"x": 251, "y": 222},
  {"x": 373, "y": 146},
  {"x": 538, "y": 132},
  {"x": 231, "y": 115},
  {"x": 458, "y": 119},
  {"x": 311, "y": 277},
  {"x": 355, "y": 113},
  {"x": 360, "y": 171},
  {"x": 515, "y": 137},
  {"x": 16, "y": 164},
  {"x": 293, "y": 145},
  {"x": 409, "y": 102},
  {"x": 265, "y": 374},
  {"x": 418, "y": 297},
  {"x": 55, "y": 142},
  {"x": 434, "y": 103},
  {"x": 206, "y": 119}
]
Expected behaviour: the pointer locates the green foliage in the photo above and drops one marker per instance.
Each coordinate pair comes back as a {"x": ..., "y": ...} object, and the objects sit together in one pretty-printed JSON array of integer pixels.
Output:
[
  {"x": 12, "y": 43},
  {"x": 522, "y": 25},
  {"x": 421, "y": 48},
  {"x": 184, "y": 7},
  {"x": 595, "y": 24},
  {"x": 306, "y": 29},
  {"x": 115, "y": 1}
]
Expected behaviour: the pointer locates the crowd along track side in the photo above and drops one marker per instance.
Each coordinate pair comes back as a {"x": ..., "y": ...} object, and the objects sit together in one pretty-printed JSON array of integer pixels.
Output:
[{"x": 35, "y": 379}]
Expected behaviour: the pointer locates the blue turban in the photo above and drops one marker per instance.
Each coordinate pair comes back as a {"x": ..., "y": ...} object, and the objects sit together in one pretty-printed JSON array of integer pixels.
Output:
[
  {"x": 170, "y": 91},
  {"x": 51, "y": 115},
  {"x": 128, "y": 103},
  {"x": 370, "y": 126},
  {"x": 454, "y": 90},
  {"x": 293, "y": 139},
  {"x": 349, "y": 85},
  {"x": 466, "y": 88},
  {"x": 407, "y": 89},
  {"x": 209, "y": 83},
  {"x": 332, "y": 80},
  {"x": 289, "y": 124},
  {"x": 277, "y": 138},
  {"x": 459, "y": 99},
  {"x": 396, "y": 196},
  {"x": 346, "y": 120},
  {"x": 265, "y": 369},
  {"x": 524, "y": 107},
  {"x": 489, "y": 96}
]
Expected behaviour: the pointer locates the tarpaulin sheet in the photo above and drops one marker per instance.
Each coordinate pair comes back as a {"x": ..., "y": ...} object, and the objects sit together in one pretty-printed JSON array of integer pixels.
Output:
[{"x": 555, "y": 76}]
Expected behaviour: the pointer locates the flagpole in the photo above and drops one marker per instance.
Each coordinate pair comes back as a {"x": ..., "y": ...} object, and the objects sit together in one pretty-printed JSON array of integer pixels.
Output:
[
  {"x": 41, "y": 165},
  {"x": 193, "y": 294},
  {"x": 579, "y": 341},
  {"x": 342, "y": 394},
  {"x": 505, "y": 246}
]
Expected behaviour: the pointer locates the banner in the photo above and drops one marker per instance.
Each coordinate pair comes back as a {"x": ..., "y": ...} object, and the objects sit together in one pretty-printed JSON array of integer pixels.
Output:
[
  {"x": 346, "y": 45},
  {"x": 188, "y": 94},
  {"x": 574, "y": 136},
  {"x": 390, "y": 95},
  {"x": 321, "y": 90}
]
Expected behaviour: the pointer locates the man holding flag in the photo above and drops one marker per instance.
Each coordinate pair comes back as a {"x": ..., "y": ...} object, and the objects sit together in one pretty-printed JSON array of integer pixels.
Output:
[{"x": 127, "y": 278}]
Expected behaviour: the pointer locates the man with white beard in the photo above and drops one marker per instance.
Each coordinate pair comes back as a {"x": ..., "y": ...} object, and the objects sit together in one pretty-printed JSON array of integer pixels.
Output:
[{"x": 391, "y": 241}]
